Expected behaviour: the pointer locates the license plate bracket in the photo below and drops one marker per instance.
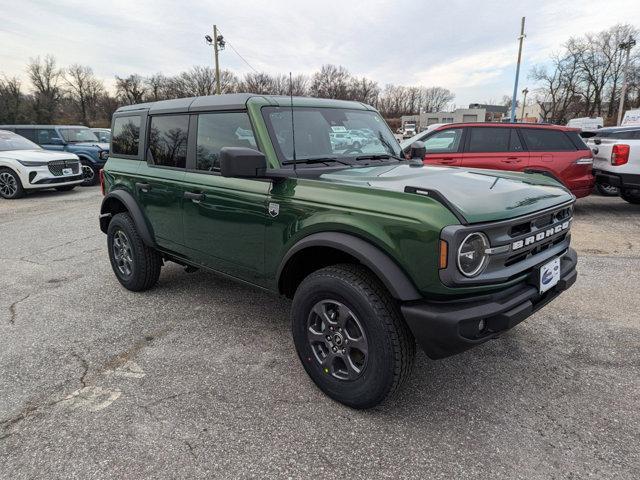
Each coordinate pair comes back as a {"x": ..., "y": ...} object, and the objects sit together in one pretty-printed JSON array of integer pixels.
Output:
[
  {"x": 67, "y": 171},
  {"x": 549, "y": 275}
]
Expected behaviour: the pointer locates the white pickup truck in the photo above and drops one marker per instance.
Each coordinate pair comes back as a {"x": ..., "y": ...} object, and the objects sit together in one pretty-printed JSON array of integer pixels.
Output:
[{"x": 616, "y": 160}]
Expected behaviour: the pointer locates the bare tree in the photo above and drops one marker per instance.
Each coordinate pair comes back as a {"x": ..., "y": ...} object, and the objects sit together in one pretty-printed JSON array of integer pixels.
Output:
[
  {"x": 330, "y": 82},
  {"x": 13, "y": 102},
  {"x": 364, "y": 90},
  {"x": 45, "y": 78},
  {"x": 84, "y": 89},
  {"x": 131, "y": 90},
  {"x": 260, "y": 83},
  {"x": 435, "y": 99}
]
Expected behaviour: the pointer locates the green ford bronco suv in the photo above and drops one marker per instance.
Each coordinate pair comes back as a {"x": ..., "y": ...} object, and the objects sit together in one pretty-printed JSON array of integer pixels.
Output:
[{"x": 376, "y": 251}]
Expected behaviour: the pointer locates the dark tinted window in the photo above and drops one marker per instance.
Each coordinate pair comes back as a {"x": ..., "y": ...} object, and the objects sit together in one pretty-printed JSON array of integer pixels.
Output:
[
  {"x": 45, "y": 135},
  {"x": 577, "y": 140},
  {"x": 219, "y": 130},
  {"x": 621, "y": 135},
  {"x": 29, "y": 133},
  {"x": 542, "y": 140},
  {"x": 485, "y": 139},
  {"x": 168, "y": 140},
  {"x": 445, "y": 141},
  {"x": 126, "y": 136},
  {"x": 515, "y": 145}
]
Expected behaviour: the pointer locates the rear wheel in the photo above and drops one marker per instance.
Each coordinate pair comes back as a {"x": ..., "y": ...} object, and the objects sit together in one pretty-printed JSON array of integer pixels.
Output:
[
  {"x": 350, "y": 336},
  {"x": 89, "y": 175},
  {"x": 10, "y": 184},
  {"x": 607, "y": 190},
  {"x": 631, "y": 196},
  {"x": 137, "y": 266}
]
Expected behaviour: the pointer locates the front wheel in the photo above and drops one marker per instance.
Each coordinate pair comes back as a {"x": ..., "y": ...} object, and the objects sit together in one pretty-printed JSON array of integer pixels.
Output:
[
  {"x": 89, "y": 175},
  {"x": 10, "y": 184},
  {"x": 350, "y": 336},
  {"x": 137, "y": 266},
  {"x": 631, "y": 196}
]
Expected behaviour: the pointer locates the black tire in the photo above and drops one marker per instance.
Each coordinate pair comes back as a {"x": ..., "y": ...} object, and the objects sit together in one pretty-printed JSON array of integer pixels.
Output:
[
  {"x": 389, "y": 343},
  {"x": 89, "y": 175},
  {"x": 10, "y": 184},
  {"x": 633, "y": 198},
  {"x": 607, "y": 190},
  {"x": 145, "y": 263},
  {"x": 66, "y": 188}
]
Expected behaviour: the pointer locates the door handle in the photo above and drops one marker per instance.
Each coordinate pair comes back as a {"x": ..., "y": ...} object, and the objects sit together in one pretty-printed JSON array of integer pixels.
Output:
[
  {"x": 512, "y": 160},
  {"x": 143, "y": 187},
  {"x": 194, "y": 197}
]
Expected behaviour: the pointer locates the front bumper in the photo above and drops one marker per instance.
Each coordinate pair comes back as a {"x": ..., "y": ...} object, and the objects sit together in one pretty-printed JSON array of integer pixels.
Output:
[
  {"x": 620, "y": 180},
  {"x": 444, "y": 328}
]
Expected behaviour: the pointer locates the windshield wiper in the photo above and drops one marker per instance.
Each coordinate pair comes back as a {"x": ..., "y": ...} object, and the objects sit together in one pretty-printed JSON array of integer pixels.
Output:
[
  {"x": 318, "y": 160},
  {"x": 381, "y": 156}
]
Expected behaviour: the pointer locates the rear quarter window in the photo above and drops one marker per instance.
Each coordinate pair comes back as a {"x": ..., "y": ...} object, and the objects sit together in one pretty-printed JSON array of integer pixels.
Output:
[
  {"x": 543, "y": 140},
  {"x": 126, "y": 136}
]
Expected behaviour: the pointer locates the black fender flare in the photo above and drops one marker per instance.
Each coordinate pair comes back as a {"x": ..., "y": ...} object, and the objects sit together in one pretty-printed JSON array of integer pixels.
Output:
[
  {"x": 131, "y": 205},
  {"x": 384, "y": 267}
]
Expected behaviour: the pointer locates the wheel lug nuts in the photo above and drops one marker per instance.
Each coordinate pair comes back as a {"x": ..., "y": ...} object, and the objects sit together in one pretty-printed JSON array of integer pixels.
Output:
[
  {"x": 344, "y": 350},
  {"x": 335, "y": 349},
  {"x": 331, "y": 328},
  {"x": 329, "y": 337}
]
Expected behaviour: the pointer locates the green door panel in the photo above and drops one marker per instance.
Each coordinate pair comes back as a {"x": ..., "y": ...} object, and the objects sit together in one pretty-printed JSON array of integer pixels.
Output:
[
  {"x": 225, "y": 230},
  {"x": 162, "y": 204}
]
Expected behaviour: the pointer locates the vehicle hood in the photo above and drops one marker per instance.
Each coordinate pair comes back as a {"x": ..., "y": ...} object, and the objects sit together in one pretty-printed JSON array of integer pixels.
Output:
[
  {"x": 100, "y": 145},
  {"x": 479, "y": 195},
  {"x": 37, "y": 155}
]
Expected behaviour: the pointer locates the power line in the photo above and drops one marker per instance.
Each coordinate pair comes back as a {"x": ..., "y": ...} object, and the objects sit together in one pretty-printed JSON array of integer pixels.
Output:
[{"x": 237, "y": 53}]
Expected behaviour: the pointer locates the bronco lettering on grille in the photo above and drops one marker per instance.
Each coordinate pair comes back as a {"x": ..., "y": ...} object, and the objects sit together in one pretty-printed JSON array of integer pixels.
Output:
[{"x": 532, "y": 239}]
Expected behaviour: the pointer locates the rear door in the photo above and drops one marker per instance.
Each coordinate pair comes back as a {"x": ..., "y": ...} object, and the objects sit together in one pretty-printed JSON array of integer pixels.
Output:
[
  {"x": 444, "y": 147},
  {"x": 159, "y": 185},
  {"x": 497, "y": 148},
  {"x": 224, "y": 218}
]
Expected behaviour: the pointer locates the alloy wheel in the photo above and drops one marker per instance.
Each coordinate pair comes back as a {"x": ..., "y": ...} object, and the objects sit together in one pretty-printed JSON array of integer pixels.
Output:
[
  {"x": 337, "y": 340},
  {"x": 122, "y": 253},
  {"x": 88, "y": 173},
  {"x": 8, "y": 185}
]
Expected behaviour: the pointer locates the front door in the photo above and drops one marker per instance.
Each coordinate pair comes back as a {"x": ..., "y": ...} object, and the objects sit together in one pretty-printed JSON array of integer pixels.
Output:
[
  {"x": 443, "y": 147},
  {"x": 496, "y": 148},
  {"x": 159, "y": 183},
  {"x": 225, "y": 218}
]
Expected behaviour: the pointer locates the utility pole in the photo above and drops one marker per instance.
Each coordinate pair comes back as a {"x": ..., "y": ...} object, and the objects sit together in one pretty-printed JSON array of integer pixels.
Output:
[
  {"x": 628, "y": 45},
  {"x": 524, "y": 101},
  {"x": 215, "y": 50},
  {"x": 515, "y": 85}
]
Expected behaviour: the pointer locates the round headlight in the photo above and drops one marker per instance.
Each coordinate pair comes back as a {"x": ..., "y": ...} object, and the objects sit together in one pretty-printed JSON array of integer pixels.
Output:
[
  {"x": 472, "y": 256},
  {"x": 104, "y": 155}
]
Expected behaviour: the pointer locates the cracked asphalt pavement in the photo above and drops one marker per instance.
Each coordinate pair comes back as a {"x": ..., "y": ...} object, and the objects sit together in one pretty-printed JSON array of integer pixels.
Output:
[{"x": 198, "y": 378}]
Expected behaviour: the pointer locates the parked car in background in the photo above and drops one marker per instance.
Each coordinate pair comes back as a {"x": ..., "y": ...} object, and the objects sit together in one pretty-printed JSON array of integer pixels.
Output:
[
  {"x": 26, "y": 166},
  {"x": 586, "y": 124},
  {"x": 75, "y": 139},
  {"x": 551, "y": 149},
  {"x": 103, "y": 134},
  {"x": 616, "y": 161}
]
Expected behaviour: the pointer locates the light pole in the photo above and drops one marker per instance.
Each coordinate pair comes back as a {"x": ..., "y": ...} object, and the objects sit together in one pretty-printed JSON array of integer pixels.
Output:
[
  {"x": 515, "y": 85},
  {"x": 524, "y": 102},
  {"x": 628, "y": 45},
  {"x": 218, "y": 44}
]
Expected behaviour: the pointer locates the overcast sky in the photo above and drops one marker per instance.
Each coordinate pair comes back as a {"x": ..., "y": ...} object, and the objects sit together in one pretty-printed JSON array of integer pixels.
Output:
[{"x": 469, "y": 47}]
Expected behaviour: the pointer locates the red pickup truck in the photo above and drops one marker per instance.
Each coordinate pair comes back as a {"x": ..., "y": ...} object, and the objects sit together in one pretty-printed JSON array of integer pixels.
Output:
[{"x": 553, "y": 149}]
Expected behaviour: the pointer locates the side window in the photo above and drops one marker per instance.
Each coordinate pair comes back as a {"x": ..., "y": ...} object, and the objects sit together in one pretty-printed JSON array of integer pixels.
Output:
[
  {"x": 44, "y": 135},
  {"x": 168, "y": 140},
  {"x": 126, "y": 135},
  {"x": 28, "y": 133},
  {"x": 219, "y": 130},
  {"x": 515, "y": 145},
  {"x": 446, "y": 141},
  {"x": 543, "y": 140},
  {"x": 484, "y": 139}
]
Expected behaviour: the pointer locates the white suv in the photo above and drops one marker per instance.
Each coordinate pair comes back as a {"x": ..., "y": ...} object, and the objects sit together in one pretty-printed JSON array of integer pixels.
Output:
[
  {"x": 616, "y": 160},
  {"x": 26, "y": 166}
]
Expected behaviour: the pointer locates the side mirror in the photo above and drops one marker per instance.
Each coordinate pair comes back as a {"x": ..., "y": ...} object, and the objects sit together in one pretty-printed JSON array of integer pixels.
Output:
[
  {"x": 242, "y": 162},
  {"x": 418, "y": 150}
]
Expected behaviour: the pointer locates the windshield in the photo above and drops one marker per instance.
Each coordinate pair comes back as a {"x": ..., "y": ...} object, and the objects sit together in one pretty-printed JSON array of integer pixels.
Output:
[
  {"x": 73, "y": 135},
  {"x": 11, "y": 141},
  {"x": 329, "y": 133}
]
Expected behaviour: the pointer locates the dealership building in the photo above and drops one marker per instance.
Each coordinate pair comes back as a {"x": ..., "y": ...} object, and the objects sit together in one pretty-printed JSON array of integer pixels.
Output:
[{"x": 476, "y": 112}]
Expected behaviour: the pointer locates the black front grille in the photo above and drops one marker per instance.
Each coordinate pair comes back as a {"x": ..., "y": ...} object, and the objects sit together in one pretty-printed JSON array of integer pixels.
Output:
[{"x": 56, "y": 166}]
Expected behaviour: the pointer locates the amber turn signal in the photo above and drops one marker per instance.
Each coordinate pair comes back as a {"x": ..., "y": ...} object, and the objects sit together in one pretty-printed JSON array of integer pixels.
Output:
[{"x": 444, "y": 253}]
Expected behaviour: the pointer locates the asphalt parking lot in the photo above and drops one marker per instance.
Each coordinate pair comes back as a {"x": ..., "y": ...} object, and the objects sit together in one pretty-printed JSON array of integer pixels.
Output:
[{"x": 198, "y": 378}]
